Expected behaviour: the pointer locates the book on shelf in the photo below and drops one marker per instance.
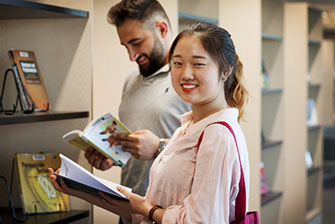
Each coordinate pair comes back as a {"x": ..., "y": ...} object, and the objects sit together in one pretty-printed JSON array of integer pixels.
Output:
[
  {"x": 77, "y": 177},
  {"x": 308, "y": 160},
  {"x": 37, "y": 192},
  {"x": 32, "y": 91},
  {"x": 264, "y": 185},
  {"x": 265, "y": 76},
  {"x": 99, "y": 135},
  {"x": 312, "y": 117}
]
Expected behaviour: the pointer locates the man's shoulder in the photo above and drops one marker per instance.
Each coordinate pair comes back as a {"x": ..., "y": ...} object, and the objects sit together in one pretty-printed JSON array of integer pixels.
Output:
[{"x": 134, "y": 74}]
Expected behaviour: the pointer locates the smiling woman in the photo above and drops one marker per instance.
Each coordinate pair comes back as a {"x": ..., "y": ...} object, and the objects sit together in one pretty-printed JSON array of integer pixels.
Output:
[{"x": 202, "y": 176}]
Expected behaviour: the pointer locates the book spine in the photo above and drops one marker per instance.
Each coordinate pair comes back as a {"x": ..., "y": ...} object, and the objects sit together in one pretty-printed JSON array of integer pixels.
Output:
[{"x": 22, "y": 94}]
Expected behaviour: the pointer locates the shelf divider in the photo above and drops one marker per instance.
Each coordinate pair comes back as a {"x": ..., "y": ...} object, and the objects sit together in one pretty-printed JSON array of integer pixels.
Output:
[
  {"x": 18, "y": 9},
  {"x": 191, "y": 18},
  {"x": 19, "y": 117},
  {"x": 269, "y": 197}
]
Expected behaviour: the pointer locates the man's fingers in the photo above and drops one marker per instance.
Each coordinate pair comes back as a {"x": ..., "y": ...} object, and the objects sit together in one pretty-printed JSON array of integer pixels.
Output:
[{"x": 124, "y": 137}]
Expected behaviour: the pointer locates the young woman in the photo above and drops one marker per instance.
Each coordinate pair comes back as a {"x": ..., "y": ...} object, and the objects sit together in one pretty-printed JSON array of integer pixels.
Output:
[{"x": 195, "y": 181}]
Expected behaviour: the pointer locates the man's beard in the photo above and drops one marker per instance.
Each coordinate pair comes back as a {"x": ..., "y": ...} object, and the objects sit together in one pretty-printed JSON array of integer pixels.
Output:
[{"x": 156, "y": 60}]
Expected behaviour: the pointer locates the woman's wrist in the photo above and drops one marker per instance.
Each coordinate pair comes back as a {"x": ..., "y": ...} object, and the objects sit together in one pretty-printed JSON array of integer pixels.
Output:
[{"x": 152, "y": 212}]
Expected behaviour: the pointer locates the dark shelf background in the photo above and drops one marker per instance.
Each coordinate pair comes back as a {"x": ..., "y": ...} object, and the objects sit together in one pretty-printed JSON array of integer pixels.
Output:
[
  {"x": 18, "y": 9},
  {"x": 269, "y": 197}
]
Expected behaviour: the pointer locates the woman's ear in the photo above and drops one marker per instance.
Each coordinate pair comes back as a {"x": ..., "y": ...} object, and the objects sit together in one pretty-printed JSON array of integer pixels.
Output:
[
  {"x": 162, "y": 28},
  {"x": 225, "y": 75}
]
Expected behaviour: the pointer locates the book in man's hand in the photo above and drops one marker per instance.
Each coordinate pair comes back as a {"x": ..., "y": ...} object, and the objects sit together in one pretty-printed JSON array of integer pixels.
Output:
[
  {"x": 79, "y": 178},
  {"x": 98, "y": 134}
]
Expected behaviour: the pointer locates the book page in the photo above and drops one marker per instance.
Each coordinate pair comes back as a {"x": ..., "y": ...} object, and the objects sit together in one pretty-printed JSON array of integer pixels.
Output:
[
  {"x": 100, "y": 133},
  {"x": 74, "y": 171},
  {"x": 75, "y": 138}
]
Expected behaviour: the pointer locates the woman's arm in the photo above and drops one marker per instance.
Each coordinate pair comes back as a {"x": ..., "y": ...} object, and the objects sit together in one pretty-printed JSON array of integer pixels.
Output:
[
  {"x": 121, "y": 208},
  {"x": 143, "y": 207}
]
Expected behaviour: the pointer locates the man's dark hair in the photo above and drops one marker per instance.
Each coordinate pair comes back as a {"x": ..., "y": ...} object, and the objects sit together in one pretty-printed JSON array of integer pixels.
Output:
[{"x": 141, "y": 10}]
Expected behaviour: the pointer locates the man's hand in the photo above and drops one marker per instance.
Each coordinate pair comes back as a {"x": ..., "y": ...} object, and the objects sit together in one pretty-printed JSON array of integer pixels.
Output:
[
  {"x": 97, "y": 159},
  {"x": 141, "y": 144}
]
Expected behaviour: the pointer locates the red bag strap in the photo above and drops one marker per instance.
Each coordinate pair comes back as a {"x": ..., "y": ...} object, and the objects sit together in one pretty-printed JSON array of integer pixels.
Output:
[{"x": 240, "y": 203}]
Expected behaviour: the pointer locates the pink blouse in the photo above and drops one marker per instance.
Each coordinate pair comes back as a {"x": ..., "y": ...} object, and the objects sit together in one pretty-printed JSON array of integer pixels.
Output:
[{"x": 199, "y": 186}]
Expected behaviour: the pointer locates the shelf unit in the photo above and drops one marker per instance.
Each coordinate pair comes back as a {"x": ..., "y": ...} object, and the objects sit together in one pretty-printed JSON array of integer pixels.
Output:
[
  {"x": 201, "y": 11},
  {"x": 272, "y": 117},
  {"x": 65, "y": 67},
  {"x": 20, "y": 118},
  {"x": 314, "y": 132}
]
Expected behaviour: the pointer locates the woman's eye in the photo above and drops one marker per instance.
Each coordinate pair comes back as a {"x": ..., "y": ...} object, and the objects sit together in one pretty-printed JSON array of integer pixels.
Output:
[
  {"x": 199, "y": 64},
  {"x": 177, "y": 63}
]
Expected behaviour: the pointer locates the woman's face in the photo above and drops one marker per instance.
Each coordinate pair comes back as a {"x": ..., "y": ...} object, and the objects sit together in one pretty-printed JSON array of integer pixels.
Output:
[{"x": 194, "y": 74}]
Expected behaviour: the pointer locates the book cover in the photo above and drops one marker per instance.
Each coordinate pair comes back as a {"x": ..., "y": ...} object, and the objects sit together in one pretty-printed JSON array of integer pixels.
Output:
[
  {"x": 28, "y": 74},
  {"x": 312, "y": 117},
  {"x": 37, "y": 192},
  {"x": 264, "y": 186},
  {"x": 265, "y": 76},
  {"x": 98, "y": 134},
  {"x": 75, "y": 176},
  {"x": 308, "y": 160}
]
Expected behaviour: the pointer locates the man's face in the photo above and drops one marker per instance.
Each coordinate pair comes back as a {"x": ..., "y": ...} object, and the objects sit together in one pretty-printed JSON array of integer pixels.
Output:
[{"x": 143, "y": 46}]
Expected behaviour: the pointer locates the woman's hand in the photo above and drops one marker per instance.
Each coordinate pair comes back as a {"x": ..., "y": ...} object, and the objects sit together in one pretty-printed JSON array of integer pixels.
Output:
[
  {"x": 121, "y": 208},
  {"x": 137, "y": 202},
  {"x": 62, "y": 187}
]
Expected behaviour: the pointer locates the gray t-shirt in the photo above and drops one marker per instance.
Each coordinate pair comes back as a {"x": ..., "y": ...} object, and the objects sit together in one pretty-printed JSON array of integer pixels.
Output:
[{"x": 149, "y": 103}]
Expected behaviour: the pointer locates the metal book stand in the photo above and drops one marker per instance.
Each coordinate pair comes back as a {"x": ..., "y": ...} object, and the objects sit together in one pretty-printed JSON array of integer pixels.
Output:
[{"x": 17, "y": 101}]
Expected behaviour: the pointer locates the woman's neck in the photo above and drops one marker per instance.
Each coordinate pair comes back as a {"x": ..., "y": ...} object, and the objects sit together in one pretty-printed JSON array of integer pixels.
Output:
[{"x": 202, "y": 111}]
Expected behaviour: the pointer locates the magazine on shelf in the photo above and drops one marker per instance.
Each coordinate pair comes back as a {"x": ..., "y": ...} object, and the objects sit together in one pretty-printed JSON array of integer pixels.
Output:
[
  {"x": 77, "y": 177},
  {"x": 37, "y": 192},
  {"x": 98, "y": 134}
]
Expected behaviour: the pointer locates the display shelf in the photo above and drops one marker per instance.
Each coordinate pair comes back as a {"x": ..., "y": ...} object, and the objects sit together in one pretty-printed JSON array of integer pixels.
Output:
[
  {"x": 271, "y": 91},
  {"x": 19, "y": 117},
  {"x": 314, "y": 43},
  {"x": 267, "y": 36},
  {"x": 48, "y": 218},
  {"x": 314, "y": 86},
  {"x": 270, "y": 144},
  {"x": 269, "y": 197},
  {"x": 313, "y": 170},
  {"x": 313, "y": 127},
  {"x": 310, "y": 215},
  {"x": 188, "y": 18},
  {"x": 18, "y": 9}
]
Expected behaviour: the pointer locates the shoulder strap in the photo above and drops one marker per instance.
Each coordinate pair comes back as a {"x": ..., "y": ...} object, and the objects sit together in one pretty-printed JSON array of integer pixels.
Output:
[{"x": 240, "y": 204}]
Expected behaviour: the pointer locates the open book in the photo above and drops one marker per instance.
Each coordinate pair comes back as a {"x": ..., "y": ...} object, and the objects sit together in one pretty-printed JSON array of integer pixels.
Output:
[
  {"x": 79, "y": 178},
  {"x": 98, "y": 134}
]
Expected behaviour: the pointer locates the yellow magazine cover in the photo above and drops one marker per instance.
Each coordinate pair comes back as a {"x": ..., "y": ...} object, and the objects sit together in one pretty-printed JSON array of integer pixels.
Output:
[{"x": 37, "y": 192}]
